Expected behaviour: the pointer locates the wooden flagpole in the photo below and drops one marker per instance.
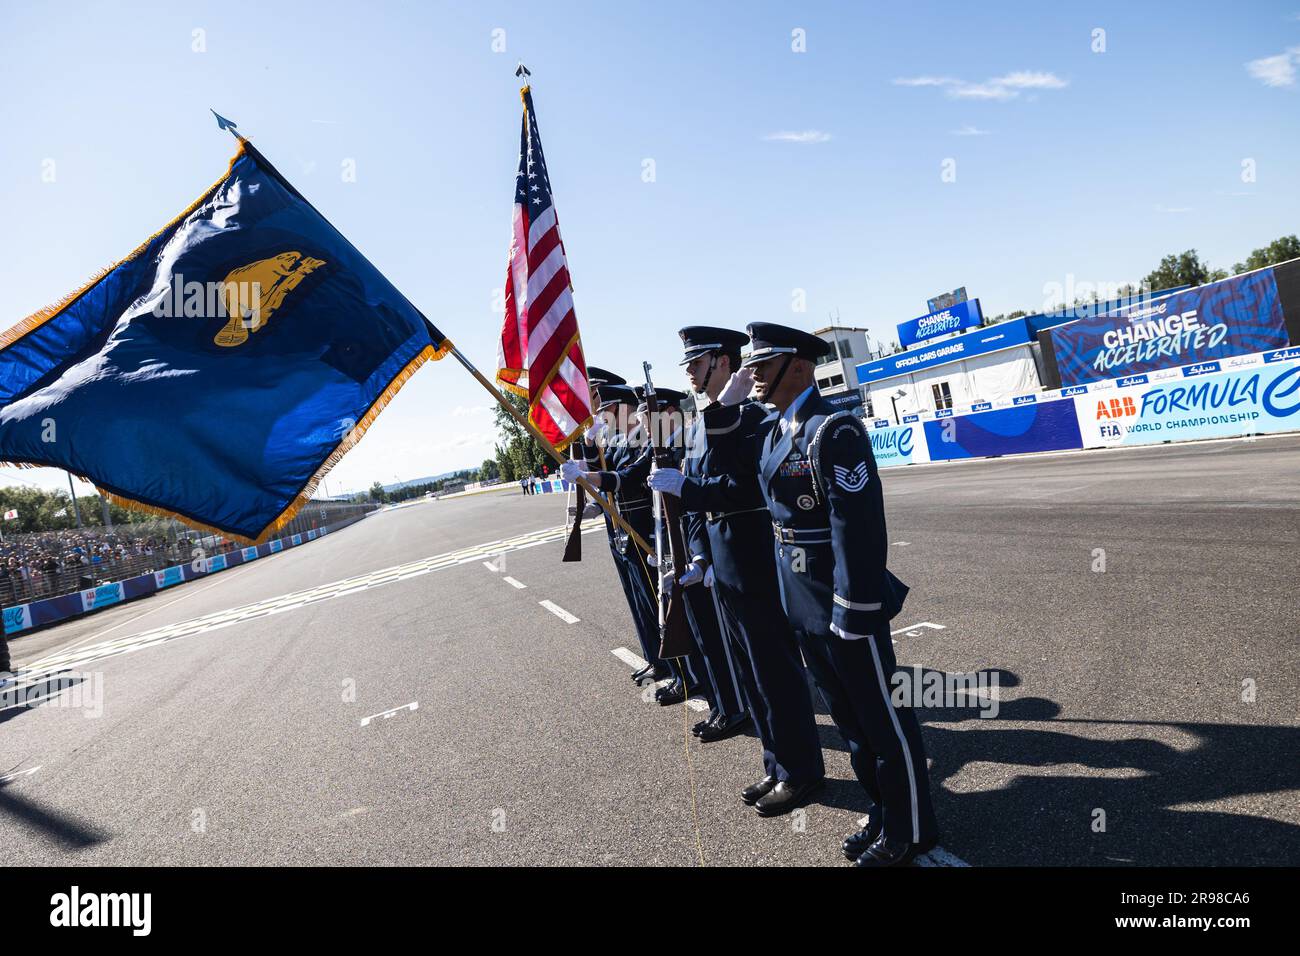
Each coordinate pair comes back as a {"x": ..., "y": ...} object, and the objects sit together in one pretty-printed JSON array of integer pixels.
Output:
[{"x": 554, "y": 452}]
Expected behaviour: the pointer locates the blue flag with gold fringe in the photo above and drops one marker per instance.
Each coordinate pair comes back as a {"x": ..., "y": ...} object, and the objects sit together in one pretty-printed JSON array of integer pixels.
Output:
[{"x": 218, "y": 371}]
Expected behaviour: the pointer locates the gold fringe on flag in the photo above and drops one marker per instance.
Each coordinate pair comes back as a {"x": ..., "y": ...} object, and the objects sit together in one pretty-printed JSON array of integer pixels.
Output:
[{"x": 429, "y": 353}]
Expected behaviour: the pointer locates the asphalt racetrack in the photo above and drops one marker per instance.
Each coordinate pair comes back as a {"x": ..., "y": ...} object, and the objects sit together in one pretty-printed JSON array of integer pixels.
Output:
[{"x": 432, "y": 685}]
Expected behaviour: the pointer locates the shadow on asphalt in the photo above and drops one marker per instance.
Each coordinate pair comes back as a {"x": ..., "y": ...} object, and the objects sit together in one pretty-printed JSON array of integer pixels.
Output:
[
  {"x": 1051, "y": 820},
  {"x": 69, "y": 832}
]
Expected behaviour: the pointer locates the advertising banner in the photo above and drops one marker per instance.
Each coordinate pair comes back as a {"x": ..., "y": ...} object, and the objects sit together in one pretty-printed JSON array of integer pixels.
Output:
[
  {"x": 138, "y": 586},
  {"x": 169, "y": 576},
  {"x": 1004, "y": 335},
  {"x": 954, "y": 318},
  {"x": 1259, "y": 399},
  {"x": 17, "y": 618},
  {"x": 102, "y": 596},
  {"x": 1236, "y": 316},
  {"x": 1041, "y": 426},
  {"x": 898, "y": 445}
]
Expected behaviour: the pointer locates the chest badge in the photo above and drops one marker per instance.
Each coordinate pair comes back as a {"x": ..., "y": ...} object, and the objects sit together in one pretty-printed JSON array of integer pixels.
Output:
[
  {"x": 796, "y": 466},
  {"x": 806, "y": 502}
]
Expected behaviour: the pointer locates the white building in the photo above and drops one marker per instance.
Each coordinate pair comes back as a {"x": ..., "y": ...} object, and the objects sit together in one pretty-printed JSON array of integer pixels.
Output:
[
  {"x": 837, "y": 375},
  {"x": 989, "y": 364}
]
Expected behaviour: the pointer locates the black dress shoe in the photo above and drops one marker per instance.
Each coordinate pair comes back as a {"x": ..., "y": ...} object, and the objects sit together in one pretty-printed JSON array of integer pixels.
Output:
[
  {"x": 699, "y": 728},
  {"x": 642, "y": 674},
  {"x": 855, "y": 844},
  {"x": 886, "y": 852},
  {"x": 723, "y": 728},
  {"x": 670, "y": 694},
  {"x": 754, "y": 791},
  {"x": 785, "y": 796}
]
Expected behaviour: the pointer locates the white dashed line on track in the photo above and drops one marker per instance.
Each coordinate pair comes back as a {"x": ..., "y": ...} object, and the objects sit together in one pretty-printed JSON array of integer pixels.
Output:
[
  {"x": 636, "y": 662},
  {"x": 559, "y": 612},
  {"x": 628, "y": 658},
  {"x": 412, "y": 706},
  {"x": 513, "y": 583},
  {"x": 82, "y": 653}
]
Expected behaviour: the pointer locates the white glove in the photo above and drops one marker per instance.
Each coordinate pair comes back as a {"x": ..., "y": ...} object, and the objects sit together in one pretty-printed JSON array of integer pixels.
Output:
[
  {"x": 570, "y": 470},
  {"x": 651, "y": 560},
  {"x": 708, "y": 576},
  {"x": 738, "y": 387},
  {"x": 693, "y": 574},
  {"x": 598, "y": 428},
  {"x": 592, "y": 510},
  {"x": 667, "y": 480}
]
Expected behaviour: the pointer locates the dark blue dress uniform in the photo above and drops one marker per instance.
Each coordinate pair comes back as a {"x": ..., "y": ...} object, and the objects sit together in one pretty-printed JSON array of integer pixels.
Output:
[
  {"x": 625, "y": 478},
  {"x": 819, "y": 476},
  {"x": 709, "y": 668},
  {"x": 726, "y": 695},
  {"x": 633, "y": 501},
  {"x": 722, "y": 489},
  {"x": 628, "y": 563}
]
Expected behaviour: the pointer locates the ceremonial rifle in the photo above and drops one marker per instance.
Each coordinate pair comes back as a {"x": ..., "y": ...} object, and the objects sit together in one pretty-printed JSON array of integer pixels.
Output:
[
  {"x": 573, "y": 547},
  {"x": 675, "y": 638}
]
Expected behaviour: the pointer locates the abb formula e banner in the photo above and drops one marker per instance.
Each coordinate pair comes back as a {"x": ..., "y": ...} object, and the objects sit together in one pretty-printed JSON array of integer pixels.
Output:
[
  {"x": 1235, "y": 316},
  {"x": 1203, "y": 402},
  {"x": 898, "y": 444}
]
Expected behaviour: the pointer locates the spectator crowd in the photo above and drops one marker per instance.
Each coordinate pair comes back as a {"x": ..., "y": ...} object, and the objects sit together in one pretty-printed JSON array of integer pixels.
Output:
[{"x": 43, "y": 563}]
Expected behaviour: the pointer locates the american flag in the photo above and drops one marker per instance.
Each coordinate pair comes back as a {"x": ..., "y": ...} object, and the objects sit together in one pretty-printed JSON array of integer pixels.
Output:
[{"x": 540, "y": 356}]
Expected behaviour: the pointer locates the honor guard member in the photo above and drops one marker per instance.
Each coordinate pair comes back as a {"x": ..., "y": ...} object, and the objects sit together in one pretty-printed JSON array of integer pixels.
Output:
[
  {"x": 617, "y": 401},
  {"x": 626, "y": 470},
  {"x": 708, "y": 666},
  {"x": 720, "y": 484},
  {"x": 828, "y": 517}
]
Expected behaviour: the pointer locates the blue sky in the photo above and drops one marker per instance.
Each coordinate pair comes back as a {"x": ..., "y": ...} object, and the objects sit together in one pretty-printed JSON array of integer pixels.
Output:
[{"x": 774, "y": 170}]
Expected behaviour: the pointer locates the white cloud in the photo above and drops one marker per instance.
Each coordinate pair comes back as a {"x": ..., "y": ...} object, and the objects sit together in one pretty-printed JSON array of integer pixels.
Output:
[
  {"x": 1174, "y": 209},
  {"x": 999, "y": 88},
  {"x": 969, "y": 130},
  {"x": 1030, "y": 80},
  {"x": 982, "y": 91},
  {"x": 1276, "y": 70},
  {"x": 925, "y": 81},
  {"x": 806, "y": 136}
]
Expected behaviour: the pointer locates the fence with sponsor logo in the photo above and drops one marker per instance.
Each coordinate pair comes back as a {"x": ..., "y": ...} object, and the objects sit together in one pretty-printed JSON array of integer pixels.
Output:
[
  {"x": 34, "y": 614},
  {"x": 1204, "y": 401},
  {"x": 1240, "y": 395}
]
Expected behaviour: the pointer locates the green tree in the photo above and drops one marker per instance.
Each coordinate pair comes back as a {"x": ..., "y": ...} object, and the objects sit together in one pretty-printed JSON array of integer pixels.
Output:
[
  {"x": 524, "y": 453},
  {"x": 377, "y": 493},
  {"x": 1184, "y": 268},
  {"x": 505, "y": 467},
  {"x": 489, "y": 470},
  {"x": 1279, "y": 250}
]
